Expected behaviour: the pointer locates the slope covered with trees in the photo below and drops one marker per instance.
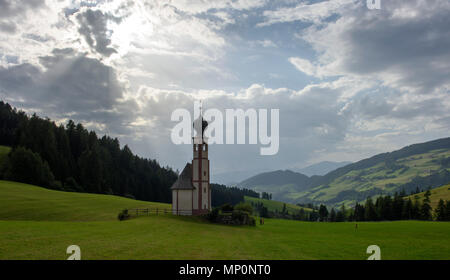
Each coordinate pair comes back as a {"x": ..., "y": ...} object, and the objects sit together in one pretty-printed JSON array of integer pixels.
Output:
[{"x": 72, "y": 158}]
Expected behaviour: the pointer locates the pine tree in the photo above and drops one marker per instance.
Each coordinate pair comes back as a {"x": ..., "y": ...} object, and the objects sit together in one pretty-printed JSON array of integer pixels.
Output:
[
  {"x": 441, "y": 211},
  {"x": 341, "y": 215},
  {"x": 370, "y": 213},
  {"x": 323, "y": 213},
  {"x": 332, "y": 215},
  {"x": 425, "y": 211},
  {"x": 416, "y": 210},
  {"x": 407, "y": 211}
]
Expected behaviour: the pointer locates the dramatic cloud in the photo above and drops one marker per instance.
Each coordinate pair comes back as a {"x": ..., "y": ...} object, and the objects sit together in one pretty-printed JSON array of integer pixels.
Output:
[{"x": 405, "y": 45}]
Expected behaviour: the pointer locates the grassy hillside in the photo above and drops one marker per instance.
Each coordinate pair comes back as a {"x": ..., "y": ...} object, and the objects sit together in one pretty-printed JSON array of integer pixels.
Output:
[
  {"x": 421, "y": 165},
  {"x": 273, "y": 205},
  {"x": 384, "y": 177},
  {"x": 37, "y": 223},
  {"x": 436, "y": 194},
  {"x": 26, "y": 202}
]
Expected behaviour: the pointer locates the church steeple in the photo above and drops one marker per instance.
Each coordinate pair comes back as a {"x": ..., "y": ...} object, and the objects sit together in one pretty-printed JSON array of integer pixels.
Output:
[
  {"x": 191, "y": 193},
  {"x": 200, "y": 164}
]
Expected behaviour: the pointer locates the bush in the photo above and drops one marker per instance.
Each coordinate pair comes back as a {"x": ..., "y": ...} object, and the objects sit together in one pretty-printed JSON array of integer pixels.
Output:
[
  {"x": 251, "y": 221},
  {"x": 226, "y": 207},
  {"x": 123, "y": 215},
  {"x": 212, "y": 215}
]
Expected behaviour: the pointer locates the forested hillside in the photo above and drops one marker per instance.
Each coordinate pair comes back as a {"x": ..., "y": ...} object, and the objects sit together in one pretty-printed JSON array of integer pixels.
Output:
[
  {"x": 419, "y": 166},
  {"x": 72, "y": 158}
]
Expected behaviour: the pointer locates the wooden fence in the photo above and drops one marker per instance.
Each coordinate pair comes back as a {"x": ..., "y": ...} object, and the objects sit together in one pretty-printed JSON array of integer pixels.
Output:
[{"x": 156, "y": 211}]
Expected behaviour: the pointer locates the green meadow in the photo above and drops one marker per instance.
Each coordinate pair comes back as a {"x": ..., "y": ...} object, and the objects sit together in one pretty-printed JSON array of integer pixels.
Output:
[{"x": 36, "y": 223}]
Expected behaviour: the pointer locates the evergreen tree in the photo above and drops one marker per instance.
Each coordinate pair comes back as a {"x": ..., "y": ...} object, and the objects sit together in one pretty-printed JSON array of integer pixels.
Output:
[
  {"x": 397, "y": 207},
  {"x": 323, "y": 213},
  {"x": 407, "y": 211},
  {"x": 425, "y": 210},
  {"x": 359, "y": 212},
  {"x": 441, "y": 211},
  {"x": 416, "y": 209},
  {"x": 332, "y": 215},
  {"x": 341, "y": 214},
  {"x": 370, "y": 213}
]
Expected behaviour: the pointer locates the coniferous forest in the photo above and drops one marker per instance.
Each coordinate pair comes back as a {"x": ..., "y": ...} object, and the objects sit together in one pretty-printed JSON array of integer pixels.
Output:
[{"x": 71, "y": 158}]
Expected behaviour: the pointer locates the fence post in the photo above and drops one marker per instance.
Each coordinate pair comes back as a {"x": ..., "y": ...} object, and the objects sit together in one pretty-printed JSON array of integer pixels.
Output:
[{"x": 156, "y": 211}]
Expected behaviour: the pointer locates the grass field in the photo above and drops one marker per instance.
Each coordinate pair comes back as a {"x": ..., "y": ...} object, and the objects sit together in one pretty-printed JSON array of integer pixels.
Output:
[
  {"x": 36, "y": 223},
  {"x": 436, "y": 194},
  {"x": 273, "y": 205}
]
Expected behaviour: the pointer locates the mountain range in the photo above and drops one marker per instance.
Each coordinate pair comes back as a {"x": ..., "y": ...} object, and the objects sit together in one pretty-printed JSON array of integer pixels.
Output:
[{"x": 418, "y": 166}]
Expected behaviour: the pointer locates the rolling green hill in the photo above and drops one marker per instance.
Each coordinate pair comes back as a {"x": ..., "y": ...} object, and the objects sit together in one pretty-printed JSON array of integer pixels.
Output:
[
  {"x": 37, "y": 223},
  {"x": 26, "y": 202},
  {"x": 436, "y": 194},
  {"x": 420, "y": 165},
  {"x": 273, "y": 205}
]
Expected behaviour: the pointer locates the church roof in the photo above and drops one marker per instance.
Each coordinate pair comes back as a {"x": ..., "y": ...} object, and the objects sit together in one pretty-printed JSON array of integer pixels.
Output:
[{"x": 184, "y": 181}]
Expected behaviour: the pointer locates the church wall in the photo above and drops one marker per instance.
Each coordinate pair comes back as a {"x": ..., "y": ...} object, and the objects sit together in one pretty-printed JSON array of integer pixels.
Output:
[
  {"x": 185, "y": 202},
  {"x": 174, "y": 201}
]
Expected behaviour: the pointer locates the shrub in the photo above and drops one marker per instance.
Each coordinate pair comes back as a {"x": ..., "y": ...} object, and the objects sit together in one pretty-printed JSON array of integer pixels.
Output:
[
  {"x": 123, "y": 215},
  {"x": 212, "y": 215},
  {"x": 251, "y": 221},
  {"x": 226, "y": 207}
]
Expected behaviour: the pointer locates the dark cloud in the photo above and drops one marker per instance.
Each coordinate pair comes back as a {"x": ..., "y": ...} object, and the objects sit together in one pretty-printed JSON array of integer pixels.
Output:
[
  {"x": 406, "y": 44},
  {"x": 72, "y": 86},
  {"x": 94, "y": 30}
]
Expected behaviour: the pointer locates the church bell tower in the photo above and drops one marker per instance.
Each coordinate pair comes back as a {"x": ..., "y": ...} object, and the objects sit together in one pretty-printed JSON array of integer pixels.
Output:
[{"x": 200, "y": 170}]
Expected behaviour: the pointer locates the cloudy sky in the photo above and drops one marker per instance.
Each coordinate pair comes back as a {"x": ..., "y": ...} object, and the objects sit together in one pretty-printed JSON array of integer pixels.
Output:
[{"x": 349, "y": 82}]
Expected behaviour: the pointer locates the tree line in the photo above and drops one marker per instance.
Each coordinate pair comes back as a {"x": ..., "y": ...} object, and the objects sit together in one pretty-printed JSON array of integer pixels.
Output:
[
  {"x": 220, "y": 195},
  {"x": 71, "y": 158},
  {"x": 387, "y": 208}
]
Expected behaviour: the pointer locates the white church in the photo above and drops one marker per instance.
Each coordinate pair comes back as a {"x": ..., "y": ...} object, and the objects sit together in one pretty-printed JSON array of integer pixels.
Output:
[{"x": 191, "y": 193}]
